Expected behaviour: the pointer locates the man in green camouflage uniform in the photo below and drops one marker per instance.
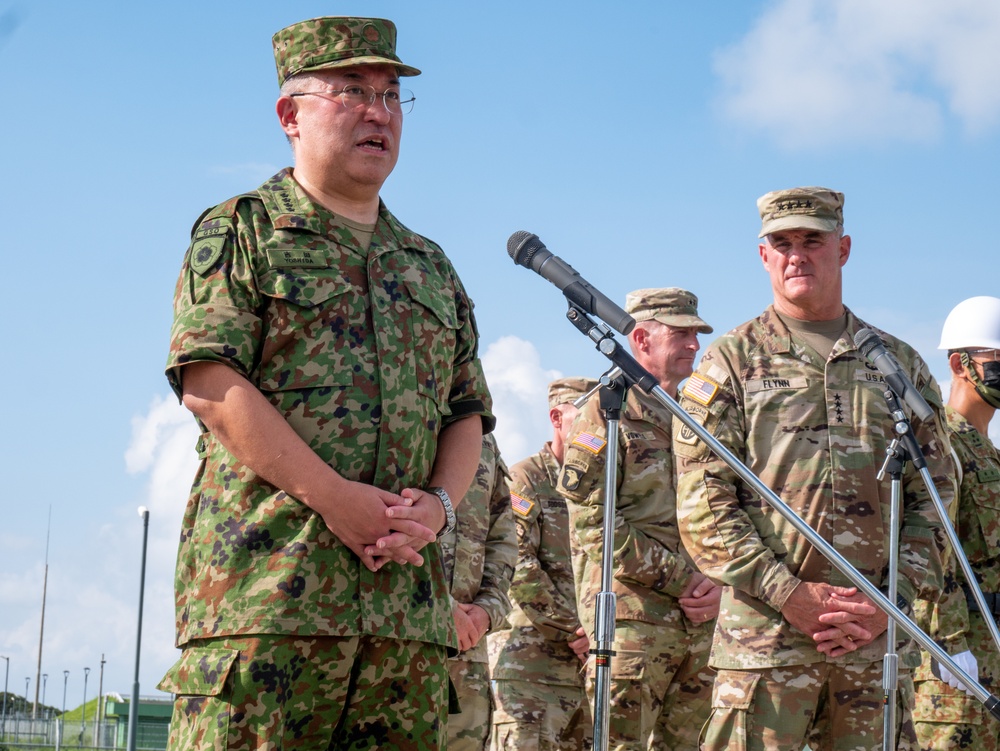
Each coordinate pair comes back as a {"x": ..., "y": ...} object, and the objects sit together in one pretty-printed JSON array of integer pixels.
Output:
[
  {"x": 659, "y": 681},
  {"x": 944, "y": 715},
  {"x": 479, "y": 557},
  {"x": 330, "y": 356},
  {"x": 538, "y": 662},
  {"x": 799, "y": 651}
]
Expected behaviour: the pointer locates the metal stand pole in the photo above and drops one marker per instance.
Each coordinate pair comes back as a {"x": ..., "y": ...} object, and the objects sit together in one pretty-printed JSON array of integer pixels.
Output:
[{"x": 612, "y": 394}]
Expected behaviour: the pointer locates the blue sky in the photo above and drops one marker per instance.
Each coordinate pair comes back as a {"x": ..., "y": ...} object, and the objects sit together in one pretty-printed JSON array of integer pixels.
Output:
[{"x": 633, "y": 138}]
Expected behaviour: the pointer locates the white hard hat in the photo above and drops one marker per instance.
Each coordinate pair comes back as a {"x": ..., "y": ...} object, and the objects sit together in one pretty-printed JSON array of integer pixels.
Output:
[{"x": 973, "y": 324}]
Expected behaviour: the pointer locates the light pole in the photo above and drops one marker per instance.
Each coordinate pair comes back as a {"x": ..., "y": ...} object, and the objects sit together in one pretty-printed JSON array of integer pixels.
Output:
[
  {"x": 45, "y": 680},
  {"x": 6, "y": 675},
  {"x": 133, "y": 707},
  {"x": 27, "y": 684},
  {"x": 83, "y": 709},
  {"x": 62, "y": 717}
]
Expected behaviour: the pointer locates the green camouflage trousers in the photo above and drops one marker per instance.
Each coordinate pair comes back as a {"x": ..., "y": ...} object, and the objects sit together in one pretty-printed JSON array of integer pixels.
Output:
[
  {"x": 660, "y": 687},
  {"x": 469, "y": 729},
  {"x": 947, "y": 717},
  {"x": 534, "y": 716},
  {"x": 308, "y": 694},
  {"x": 832, "y": 707}
]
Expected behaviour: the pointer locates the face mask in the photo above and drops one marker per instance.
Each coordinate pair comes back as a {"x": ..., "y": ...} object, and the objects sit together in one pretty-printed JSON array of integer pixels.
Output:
[{"x": 988, "y": 387}]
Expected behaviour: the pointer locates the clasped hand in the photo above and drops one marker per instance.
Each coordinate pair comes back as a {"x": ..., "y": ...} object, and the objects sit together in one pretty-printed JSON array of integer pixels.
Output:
[
  {"x": 838, "y": 619},
  {"x": 380, "y": 526}
]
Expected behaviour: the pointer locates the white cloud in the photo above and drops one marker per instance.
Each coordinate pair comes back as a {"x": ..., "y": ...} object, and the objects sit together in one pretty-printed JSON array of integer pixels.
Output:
[
  {"x": 816, "y": 71},
  {"x": 519, "y": 385}
]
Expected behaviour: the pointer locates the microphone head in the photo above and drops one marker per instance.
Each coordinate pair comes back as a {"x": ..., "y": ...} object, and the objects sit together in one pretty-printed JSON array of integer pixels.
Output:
[
  {"x": 866, "y": 340},
  {"x": 522, "y": 246}
]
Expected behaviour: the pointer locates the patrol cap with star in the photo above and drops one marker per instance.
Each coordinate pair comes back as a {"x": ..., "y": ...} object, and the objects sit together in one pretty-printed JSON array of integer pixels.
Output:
[
  {"x": 336, "y": 42},
  {"x": 670, "y": 305},
  {"x": 566, "y": 390},
  {"x": 801, "y": 208}
]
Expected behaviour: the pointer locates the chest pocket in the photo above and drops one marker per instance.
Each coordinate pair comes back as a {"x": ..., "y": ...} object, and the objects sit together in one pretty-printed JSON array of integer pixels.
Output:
[
  {"x": 987, "y": 499},
  {"x": 434, "y": 329},
  {"x": 316, "y": 328}
]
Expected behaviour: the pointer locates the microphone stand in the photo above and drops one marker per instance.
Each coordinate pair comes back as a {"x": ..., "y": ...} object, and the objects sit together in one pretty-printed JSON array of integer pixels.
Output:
[
  {"x": 896, "y": 457},
  {"x": 613, "y": 393},
  {"x": 911, "y": 451},
  {"x": 604, "y": 339}
]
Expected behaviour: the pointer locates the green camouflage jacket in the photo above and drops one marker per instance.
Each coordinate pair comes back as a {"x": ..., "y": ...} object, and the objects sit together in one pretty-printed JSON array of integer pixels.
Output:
[
  {"x": 651, "y": 570},
  {"x": 978, "y": 527},
  {"x": 479, "y": 555},
  {"x": 367, "y": 353},
  {"x": 543, "y": 621},
  {"x": 815, "y": 432}
]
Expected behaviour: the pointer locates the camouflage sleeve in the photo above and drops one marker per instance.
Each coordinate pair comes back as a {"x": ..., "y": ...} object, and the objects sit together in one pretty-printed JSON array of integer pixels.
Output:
[
  {"x": 469, "y": 394},
  {"x": 216, "y": 300},
  {"x": 713, "y": 523},
  {"x": 946, "y": 620},
  {"x": 638, "y": 558},
  {"x": 501, "y": 550},
  {"x": 532, "y": 588},
  {"x": 922, "y": 539}
]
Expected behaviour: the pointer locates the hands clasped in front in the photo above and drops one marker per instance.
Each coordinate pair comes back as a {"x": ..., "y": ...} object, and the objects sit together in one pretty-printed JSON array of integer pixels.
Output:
[
  {"x": 839, "y": 619},
  {"x": 379, "y": 526}
]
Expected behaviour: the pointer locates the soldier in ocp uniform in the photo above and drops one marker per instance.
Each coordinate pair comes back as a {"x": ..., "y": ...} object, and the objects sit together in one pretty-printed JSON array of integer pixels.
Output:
[
  {"x": 329, "y": 354},
  {"x": 660, "y": 683},
  {"x": 797, "y": 649},
  {"x": 944, "y": 715},
  {"x": 479, "y": 557},
  {"x": 538, "y": 661}
]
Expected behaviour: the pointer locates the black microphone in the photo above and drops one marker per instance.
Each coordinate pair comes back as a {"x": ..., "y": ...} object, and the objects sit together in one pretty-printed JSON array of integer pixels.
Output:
[
  {"x": 870, "y": 345},
  {"x": 528, "y": 251}
]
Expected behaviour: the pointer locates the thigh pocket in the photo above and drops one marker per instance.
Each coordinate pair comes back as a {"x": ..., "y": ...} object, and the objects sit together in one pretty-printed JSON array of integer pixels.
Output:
[
  {"x": 947, "y": 708},
  {"x": 732, "y": 697},
  {"x": 627, "y": 701},
  {"x": 200, "y": 682}
]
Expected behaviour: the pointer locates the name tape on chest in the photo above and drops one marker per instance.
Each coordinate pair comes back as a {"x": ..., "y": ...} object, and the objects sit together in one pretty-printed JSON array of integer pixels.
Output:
[
  {"x": 701, "y": 389},
  {"x": 776, "y": 384},
  {"x": 521, "y": 505},
  {"x": 592, "y": 443},
  {"x": 300, "y": 258}
]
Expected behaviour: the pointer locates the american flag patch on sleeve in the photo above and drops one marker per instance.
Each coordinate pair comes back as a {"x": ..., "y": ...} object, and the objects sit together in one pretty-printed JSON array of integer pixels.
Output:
[
  {"x": 700, "y": 388},
  {"x": 591, "y": 442},
  {"x": 521, "y": 505}
]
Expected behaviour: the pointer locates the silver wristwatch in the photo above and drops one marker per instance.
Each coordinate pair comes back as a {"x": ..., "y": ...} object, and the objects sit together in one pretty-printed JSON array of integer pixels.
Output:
[{"x": 449, "y": 510}]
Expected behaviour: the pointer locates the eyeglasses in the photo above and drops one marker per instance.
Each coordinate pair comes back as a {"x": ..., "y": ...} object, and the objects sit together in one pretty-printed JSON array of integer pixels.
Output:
[
  {"x": 995, "y": 354},
  {"x": 352, "y": 96}
]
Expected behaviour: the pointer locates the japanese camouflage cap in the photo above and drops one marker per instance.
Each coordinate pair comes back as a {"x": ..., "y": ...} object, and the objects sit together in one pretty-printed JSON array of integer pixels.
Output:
[
  {"x": 670, "y": 305},
  {"x": 801, "y": 208},
  {"x": 566, "y": 390},
  {"x": 336, "y": 42}
]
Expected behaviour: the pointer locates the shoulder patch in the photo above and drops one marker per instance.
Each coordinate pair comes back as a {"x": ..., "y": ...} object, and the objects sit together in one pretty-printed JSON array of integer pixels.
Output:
[
  {"x": 592, "y": 443},
  {"x": 520, "y": 504},
  {"x": 205, "y": 251},
  {"x": 701, "y": 389},
  {"x": 571, "y": 477}
]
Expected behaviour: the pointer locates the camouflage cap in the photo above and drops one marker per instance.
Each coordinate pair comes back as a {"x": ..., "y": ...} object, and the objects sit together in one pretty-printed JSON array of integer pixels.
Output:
[
  {"x": 670, "y": 305},
  {"x": 336, "y": 42},
  {"x": 565, "y": 390},
  {"x": 801, "y": 208}
]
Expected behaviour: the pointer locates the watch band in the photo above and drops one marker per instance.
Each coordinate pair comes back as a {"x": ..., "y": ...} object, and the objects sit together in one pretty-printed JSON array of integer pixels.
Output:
[{"x": 449, "y": 510}]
